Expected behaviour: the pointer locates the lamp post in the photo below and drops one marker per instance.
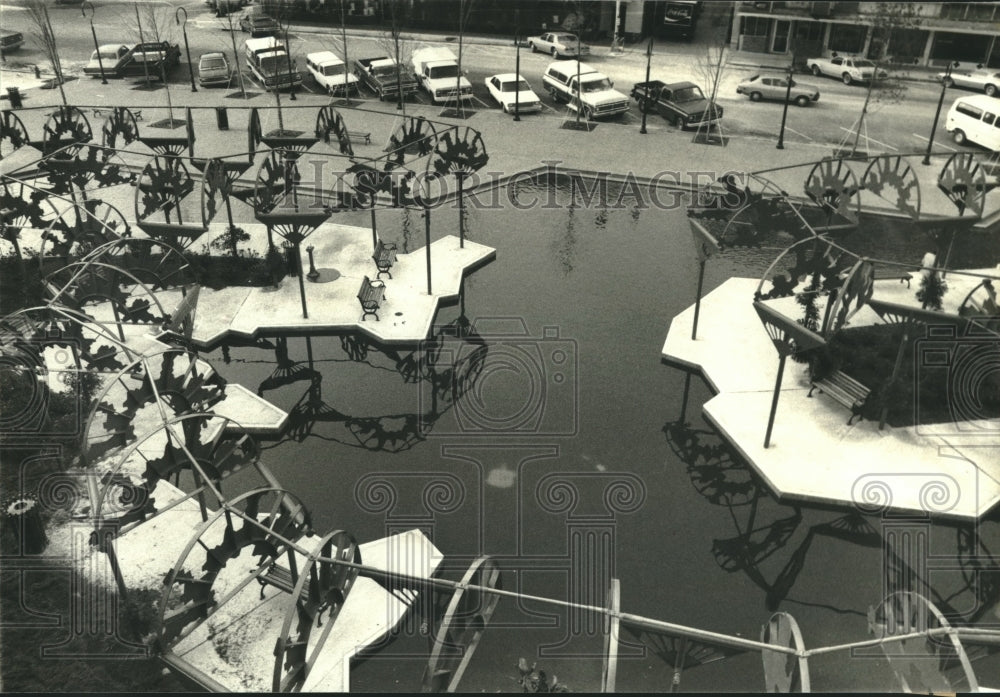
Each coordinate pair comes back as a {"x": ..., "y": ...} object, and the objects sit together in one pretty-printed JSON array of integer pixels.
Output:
[
  {"x": 187, "y": 49},
  {"x": 784, "y": 112},
  {"x": 517, "y": 66},
  {"x": 288, "y": 59},
  {"x": 142, "y": 42},
  {"x": 645, "y": 96},
  {"x": 945, "y": 81},
  {"x": 93, "y": 32}
]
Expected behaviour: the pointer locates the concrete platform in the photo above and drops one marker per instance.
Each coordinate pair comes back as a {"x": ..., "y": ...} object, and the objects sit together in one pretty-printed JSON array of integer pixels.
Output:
[
  {"x": 343, "y": 258},
  {"x": 814, "y": 455}
]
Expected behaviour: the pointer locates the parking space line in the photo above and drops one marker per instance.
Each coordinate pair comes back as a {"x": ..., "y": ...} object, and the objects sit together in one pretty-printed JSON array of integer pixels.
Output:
[
  {"x": 798, "y": 133},
  {"x": 940, "y": 145},
  {"x": 867, "y": 138}
]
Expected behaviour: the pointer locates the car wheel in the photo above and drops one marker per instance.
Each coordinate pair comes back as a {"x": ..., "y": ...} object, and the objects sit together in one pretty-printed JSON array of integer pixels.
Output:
[
  {"x": 948, "y": 82},
  {"x": 958, "y": 136},
  {"x": 555, "y": 54},
  {"x": 677, "y": 122},
  {"x": 816, "y": 71},
  {"x": 802, "y": 100},
  {"x": 991, "y": 90},
  {"x": 588, "y": 113},
  {"x": 505, "y": 109},
  {"x": 846, "y": 77},
  {"x": 755, "y": 96}
]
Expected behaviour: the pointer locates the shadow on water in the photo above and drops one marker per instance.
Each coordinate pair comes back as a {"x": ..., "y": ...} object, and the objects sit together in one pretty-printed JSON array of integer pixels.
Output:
[{"x": 723, "y": 478}]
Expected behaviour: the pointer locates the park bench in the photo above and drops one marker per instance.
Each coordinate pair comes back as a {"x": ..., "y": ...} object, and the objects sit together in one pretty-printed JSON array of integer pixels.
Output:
[
  {"x": 137, "y": 113},
  {"x": 359, "y": 137},
  {"x": 844, "y": 389},
  {"x": 370, "y": 296},
  {"x": 384, "y": 257}
]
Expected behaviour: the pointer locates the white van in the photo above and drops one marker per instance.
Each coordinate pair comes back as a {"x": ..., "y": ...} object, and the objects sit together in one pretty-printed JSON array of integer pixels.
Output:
[{"x": 976, "y": 120}]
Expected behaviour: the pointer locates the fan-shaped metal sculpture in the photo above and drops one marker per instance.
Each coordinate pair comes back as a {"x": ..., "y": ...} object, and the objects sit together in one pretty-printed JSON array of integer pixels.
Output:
[
  {"x": 107, "y": 293},
  {"x": 65, "y": 130},
  {"x": 158, "y": 264},
  {"x": 833, "y": 186},
  {"x": 714, "y": 470},
  {"x": 321, "y": 587},
  {"x": 173, "y": 381},
  {"x": 263, "y": 523},
  {"x": 891, "y": 178},
  {"x": 412, "y": 139},
  {"x": 458, "y": 150},
  {"x": 80, "y": 228},
  {"x": 680, "y": 652},
  {"x": 330, "y": 122},
  {"x": 120, "y": 128},
  {"x": 218, "y": 179},
  {"x": 462, "y": 627},
  {"x": 159, "y": 194},
  {"x": 963, "y": 181},
  {"x": 784, "y": 672},
  {"x": 853, "y": 294},
  {"x": 923, "y": 660},
  {"x": 13, "y": 134},
  {"x": 811, "y": 257}
]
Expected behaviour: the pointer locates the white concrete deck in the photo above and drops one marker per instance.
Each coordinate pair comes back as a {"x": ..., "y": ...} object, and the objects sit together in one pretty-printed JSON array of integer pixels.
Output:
[{"x": 814, "y": 454}]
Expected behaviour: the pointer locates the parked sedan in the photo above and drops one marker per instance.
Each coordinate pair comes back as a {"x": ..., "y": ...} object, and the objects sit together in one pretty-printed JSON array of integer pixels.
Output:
[
  {"x": 761, "y": 87},
  {"x": 112, "y": 56},
  {"x": 213, "y": 69},
  {"x": 559, "y": 44},
  {"x": 10, "y": 40},
  {"x": 509, "y": 89},
  {"x": 985, "y": 79},
  {"x": 259, "y": 24}
]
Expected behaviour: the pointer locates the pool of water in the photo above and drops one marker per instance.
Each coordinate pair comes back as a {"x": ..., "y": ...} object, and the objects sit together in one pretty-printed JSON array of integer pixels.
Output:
[{"x": 540, "y": 426}]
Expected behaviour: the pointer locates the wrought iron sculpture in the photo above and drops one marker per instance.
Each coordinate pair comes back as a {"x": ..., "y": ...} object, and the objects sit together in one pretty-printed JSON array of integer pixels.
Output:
[
  {"x": 963, "y": 181},
  {"x": 65, "y": 130},
  {"x": 330, "y": 122},
  {"x": 96, "y": 288},
  {"x": 833, "y": 186},
  {"x": 891, "y": 178},
  {"x": 679, "y": 651},
  {"x": 160, "y": 265},
  {"x": 782, "y": 673},
  {"x": 13, "y": 134},
  {"x": 412, "y": 139},
  {"x": 78, "y": 229},
  {"x": 120, "y": 128},
  {"x": 159, "y": 201}
]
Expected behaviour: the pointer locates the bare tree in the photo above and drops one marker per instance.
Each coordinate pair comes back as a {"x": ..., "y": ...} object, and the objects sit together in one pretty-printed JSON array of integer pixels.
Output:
[
  {"x": 894, "y": 34},
  {"x": 464, "y": 10},
  {"x": 395, "y": 14},
  {"x": 154, "y": 24},
  {"x": 38, "y": 11},
  {"x": 714, "y": 60}
]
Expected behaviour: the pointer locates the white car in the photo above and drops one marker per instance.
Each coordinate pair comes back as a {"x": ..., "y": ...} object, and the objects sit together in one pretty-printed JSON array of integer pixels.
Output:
[
  {"x": 985, "y": 79},
  {"x": 850, "y": 70},
  {"x": 508, "y": 90},
  {"x": 330, "y": 72},
  {"x": 559, "y": 44}
]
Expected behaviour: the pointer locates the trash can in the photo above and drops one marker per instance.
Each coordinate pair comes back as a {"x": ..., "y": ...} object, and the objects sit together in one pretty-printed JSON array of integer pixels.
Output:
[
  {"x": 14, "y": 97},
  {"x": 222, "y": 118},
  {"x": 291, "y": 259}
]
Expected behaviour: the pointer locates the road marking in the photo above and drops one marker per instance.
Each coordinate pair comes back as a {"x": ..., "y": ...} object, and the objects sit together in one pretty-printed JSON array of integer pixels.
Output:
[
  {"x": 872, "y": 140},
  {"x": 940, "y": 145},
  {"x": 789, "y": 128}
]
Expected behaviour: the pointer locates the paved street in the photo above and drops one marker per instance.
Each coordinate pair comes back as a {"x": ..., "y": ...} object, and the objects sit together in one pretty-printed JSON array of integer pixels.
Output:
[{"x": 891, "y": 126}]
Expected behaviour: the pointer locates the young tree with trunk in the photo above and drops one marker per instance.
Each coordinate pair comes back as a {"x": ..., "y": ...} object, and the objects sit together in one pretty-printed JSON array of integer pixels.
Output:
[
  {"x": 714, "y": 60},
  {"x": 395, "y": 14},
  {"x": 464, "y": 10},
  {"x": 38, "y": 11}
]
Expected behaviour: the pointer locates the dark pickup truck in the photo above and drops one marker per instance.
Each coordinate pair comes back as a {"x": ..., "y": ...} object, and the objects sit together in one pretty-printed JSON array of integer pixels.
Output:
[
  {"x": 158, "y": 56},
  {"x": 681, "y": 103},
  {"x": 380, "y": 76}
]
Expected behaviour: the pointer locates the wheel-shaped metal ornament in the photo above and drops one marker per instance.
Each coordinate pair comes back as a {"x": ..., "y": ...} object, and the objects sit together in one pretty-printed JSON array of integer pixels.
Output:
[
  {"x": 13, "y": 134},
  {"x": 330, "y": 122},
  {"x": 414, "y": 138},
  {"x": 66, "y": 129},
  {"x": 833, "y": 186},
  {"x": 963, "y": 181},
  {"x": 893, "y": 180},
  {"x": 784, "y": 672},
  {"x": 120, "y": 128}
]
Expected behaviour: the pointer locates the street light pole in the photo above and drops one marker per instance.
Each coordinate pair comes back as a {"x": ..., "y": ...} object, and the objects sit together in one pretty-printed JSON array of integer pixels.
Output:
[
  {"x": 645, "y": 98},
  {"x": 93, "y": 32},
  {"x": 517, "y": 65},
  {"x": 945, "y": 81},
  {"x": 187, "y": 49},
  {"x": 142, "y": 42},
  {"x": 784, "y": 112}
]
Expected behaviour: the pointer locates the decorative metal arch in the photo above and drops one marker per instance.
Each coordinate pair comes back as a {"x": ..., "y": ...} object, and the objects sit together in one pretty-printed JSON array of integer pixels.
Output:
[
  {"x": 963, "y": 181},
  {"x": 981, "y": 302},
  {"x": 855, "y": 289},
  {"x": 120, "y": 128},
  {"x": 81, "y": 283},
  {"x": 85, "y": 164},
  {"x": 159, "y": 264},
  {"x": 460, "y": 150},
  {"x": 917, "y": 661},
  {"x": 321, "y": 586},
  {"x": 783, "y": 672},
  {"x": 415, "y": 137},
  {"x": 812, "y": 256},
  {"x": 12, "y": 131},
  {"x": 891, "y": 178},
  {"x": 209, "y": 446},
  {"x": 80, "y": 228},
  {"x": 833, "y": 186},
  {"x": 218, "y": 178},
  {"x": 462, "y": 627},
  {"x": 176, "y": 381},
  {"x": 94, "y": 345},
  {"x": 160, "y": 190},
  {"x": 330, "y": 122},
  {"x": 271, "y": 521}
]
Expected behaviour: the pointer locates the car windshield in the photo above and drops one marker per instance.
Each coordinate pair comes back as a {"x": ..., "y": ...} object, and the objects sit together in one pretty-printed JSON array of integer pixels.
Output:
[
  {"x": 444, "y": 71},
  {"x": 520, "y": 86},
  {"x": 688, "y": 94},
  {"x": 213, "y": 63},
  {"x": 597, "y": 85}
]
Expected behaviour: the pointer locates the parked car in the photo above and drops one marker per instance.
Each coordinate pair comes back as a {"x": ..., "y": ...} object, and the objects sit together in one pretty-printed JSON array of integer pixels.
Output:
[
  {"x": 682, "y": 104},
  {"x": 213, "y": 69},
  {"x": 224, "y": 7},
  {"x": 850, "y": 70},
  {"x": 974, "y": 119},
  {"x": 509, "y": 89},
  {"x": 384, "y": 77},
  {"x": 985, "y": 79},
  {"x": 559, "y": 44},
  {"x": 112, "y": 56},
  {"x": 259, "y": 24},
  {"x": 595, "y": 90},
  {"x": 761, "y": 87},
  {"x": 330, "y": 72},
  {"x": 158, "y": 57},
  {"x": 10, "y": 40}
]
